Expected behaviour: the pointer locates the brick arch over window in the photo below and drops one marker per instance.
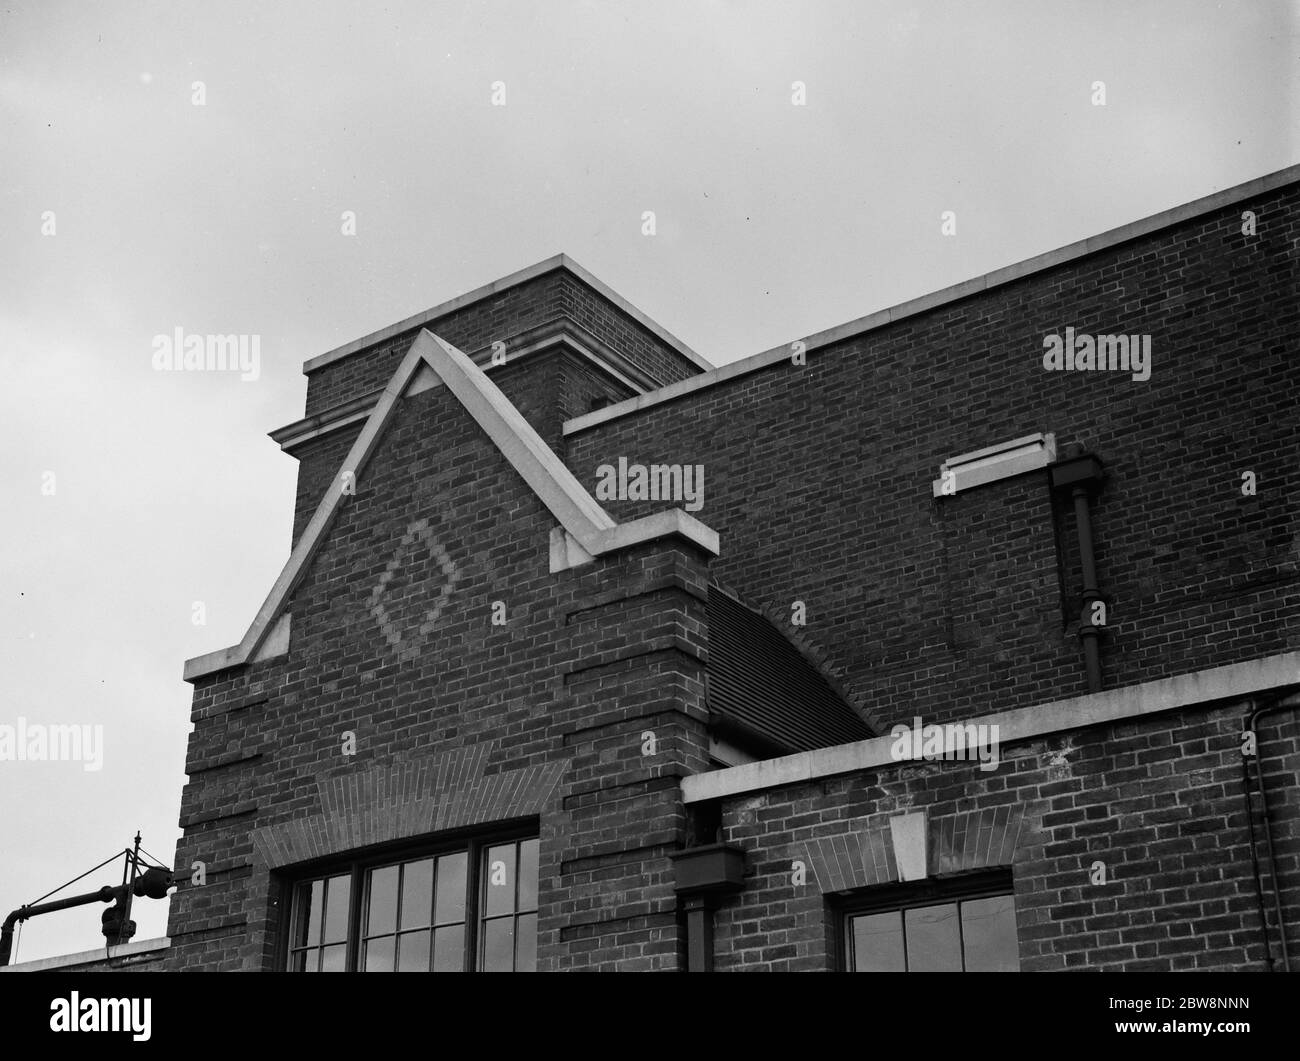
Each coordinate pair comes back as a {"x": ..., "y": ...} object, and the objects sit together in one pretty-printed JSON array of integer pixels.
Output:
[
  {"x": 405, "y": 800},
  {"x": 863, "y": 856}
]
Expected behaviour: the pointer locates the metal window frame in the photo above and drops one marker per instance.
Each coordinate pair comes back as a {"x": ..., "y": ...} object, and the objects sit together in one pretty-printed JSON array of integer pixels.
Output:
[
  {"x": 901, "y": 897},
  {"x": 360, "y": 864},
  {"x": 515, "y": 913}
]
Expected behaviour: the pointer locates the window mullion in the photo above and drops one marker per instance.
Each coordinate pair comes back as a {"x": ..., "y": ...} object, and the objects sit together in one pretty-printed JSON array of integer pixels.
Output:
[
  {"x": 355, "y": 909},
  {"x": 961, "y": 937},
  {"x": 473, "y": 856}
]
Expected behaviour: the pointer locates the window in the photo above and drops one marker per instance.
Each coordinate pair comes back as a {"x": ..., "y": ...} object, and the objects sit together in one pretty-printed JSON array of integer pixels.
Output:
[
  {"x": 447, "y": 909},
  {"x": 937, "y": 930}
]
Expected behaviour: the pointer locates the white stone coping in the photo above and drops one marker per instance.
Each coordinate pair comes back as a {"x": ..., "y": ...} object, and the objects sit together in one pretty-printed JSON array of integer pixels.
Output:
[
  {"x": 555, "y": 333},
  {"x": 432, "y": 362},
  {"x": 1234, "y": 681},
  {"x": 558, "y": 261},
  {"x": 87, "y": 957},
  {"x": 912, "y": 308}
]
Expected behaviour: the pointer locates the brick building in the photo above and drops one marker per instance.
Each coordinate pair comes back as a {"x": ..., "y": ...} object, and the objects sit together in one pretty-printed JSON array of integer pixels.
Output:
[{"x": 590, "y": 656}]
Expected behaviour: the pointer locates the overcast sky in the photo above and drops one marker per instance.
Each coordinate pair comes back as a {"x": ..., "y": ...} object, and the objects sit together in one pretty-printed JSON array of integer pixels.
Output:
[{"x": 773, "y": 221}]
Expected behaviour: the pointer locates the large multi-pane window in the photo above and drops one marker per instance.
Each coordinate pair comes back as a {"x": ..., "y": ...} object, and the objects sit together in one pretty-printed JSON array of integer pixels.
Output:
[
  {"x": 451, "y": 909},
  {"x": 969, "y": 931}
]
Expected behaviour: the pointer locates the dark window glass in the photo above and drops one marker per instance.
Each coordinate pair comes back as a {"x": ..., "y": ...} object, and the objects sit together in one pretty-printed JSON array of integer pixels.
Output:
[
  {"x": 475, "y": 907},
  {"x": 449, "y": 950},
  {"x": 500, "y": 880},
  {"x": 315, "y": 912},
  {"x": 451, "y": 888},
  {"x": 963, "y": 935},
  {"x": 989, "y": 928},
  {"x": 417, "y": 894},
  {"x": 877, "y": 943},
  {"x": 508, "y": 933},
  {"x": 933, "y": 942},
  {"x": 338, "y": 894},
  {"x": 320, "y": 917},
  {"x": 413, "y": 952},
  {"x": 383, "y": 901}
]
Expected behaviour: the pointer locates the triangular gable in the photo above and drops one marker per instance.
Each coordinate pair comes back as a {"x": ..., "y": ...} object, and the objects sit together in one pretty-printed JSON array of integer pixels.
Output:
[{"x": 586, "y": 530}]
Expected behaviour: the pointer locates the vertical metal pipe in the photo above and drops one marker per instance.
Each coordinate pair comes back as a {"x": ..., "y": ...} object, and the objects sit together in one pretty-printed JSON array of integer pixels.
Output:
[
  {"x": 699, "y": 934},
  {"x": 1254, "y": 847},
  {"x": 1268, "y": 829},
  {"x": 1089, "y": 633}
]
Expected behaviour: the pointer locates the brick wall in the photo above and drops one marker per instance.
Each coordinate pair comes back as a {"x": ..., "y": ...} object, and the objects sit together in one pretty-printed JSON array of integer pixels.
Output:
[
  {"x": 499, "y": 317},
  {"x": 392, "y": 640},
  {"x": 817, "y": 478},
  {"x": 1159, "y": 801}
]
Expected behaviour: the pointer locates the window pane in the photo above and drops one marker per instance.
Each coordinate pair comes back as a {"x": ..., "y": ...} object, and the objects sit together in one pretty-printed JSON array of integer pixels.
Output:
[
  {"x": 989, "y": 931},
  {"x": 451, "y": 888},
  {"x": 311, "y": 897},
  {"x": 878, "y": 943},
  {"x": 527, "y": 944},
  {"x": 528, "y": 875},
  {"x": 417, "y": 893},
  {"x": 449, "y": 949},
  {"x": 383, "y": 901},
  {"x": 498, "y": 945},
  {"x": 335, "y": 959},
  {"x": 413, "y": 952},
  {"x": 499, "y": 873},
  {"x": 304, "y": 961},
  {"x": 379, "y": 955},
  {"x": 932, "y": 941},
  {"x": 336, "y": 914}
]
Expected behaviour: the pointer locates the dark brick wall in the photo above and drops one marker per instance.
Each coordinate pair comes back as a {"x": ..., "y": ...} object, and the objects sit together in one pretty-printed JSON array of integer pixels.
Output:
[
  {"x": 546, "y": 388},
  {"x": 1158, "y": 800},
  {"x": 818, "y": 478},
  {"x": 499, "y": 317}
]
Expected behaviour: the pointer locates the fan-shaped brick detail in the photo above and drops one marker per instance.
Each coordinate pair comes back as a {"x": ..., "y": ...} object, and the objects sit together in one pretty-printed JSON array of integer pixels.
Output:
[
  {"x": 957, "y": 843},
  {"x": 406, "y": 800}
]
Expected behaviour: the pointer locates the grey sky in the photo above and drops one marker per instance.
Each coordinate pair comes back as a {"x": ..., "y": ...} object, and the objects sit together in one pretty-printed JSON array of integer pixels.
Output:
[{"x": 773, "y": 221}]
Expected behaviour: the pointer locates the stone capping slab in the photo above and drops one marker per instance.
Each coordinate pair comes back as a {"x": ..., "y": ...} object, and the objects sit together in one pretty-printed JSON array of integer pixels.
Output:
[
  {"x": 994, "y": 463},
  {"x": 1080, "y": 249},
  {"x": 1234, "y": 681},
  {"x": 546, "y": 475},
  {"x": 87, "y": 957},
  {"x": 558, "y": 261}
]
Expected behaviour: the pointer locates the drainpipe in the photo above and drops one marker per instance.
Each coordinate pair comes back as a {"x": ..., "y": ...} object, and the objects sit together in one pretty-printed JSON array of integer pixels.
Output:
[
  {"x": 704, "y": 875},
  {"x": 1288, "y": 703},
  {"x": 1082, "y": 476}
]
